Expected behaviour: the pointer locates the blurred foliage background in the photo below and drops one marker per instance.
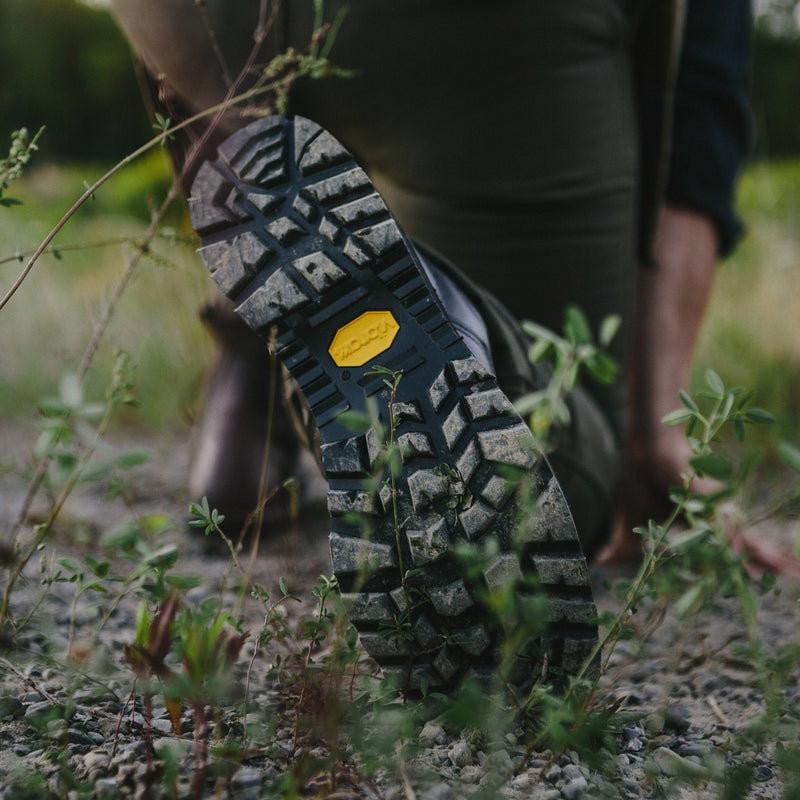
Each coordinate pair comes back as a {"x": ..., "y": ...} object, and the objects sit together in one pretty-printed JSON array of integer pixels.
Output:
[{"x": 65, "y": 65}]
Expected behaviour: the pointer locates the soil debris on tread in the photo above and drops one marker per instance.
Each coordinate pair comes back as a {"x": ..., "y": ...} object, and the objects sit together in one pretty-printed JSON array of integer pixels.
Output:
[{"x": 295, "y": 234}]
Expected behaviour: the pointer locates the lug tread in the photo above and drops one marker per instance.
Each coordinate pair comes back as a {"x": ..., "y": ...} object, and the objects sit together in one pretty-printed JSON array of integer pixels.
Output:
[{"x": 295, "y": 234}]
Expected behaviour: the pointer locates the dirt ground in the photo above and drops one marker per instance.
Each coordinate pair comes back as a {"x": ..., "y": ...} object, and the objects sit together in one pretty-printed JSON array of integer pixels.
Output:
[{"x": 688, "y": 695}]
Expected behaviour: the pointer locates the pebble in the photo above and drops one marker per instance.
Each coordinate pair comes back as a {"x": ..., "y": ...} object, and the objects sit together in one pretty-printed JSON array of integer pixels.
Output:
[
  {"x": 10, "y": 707},
  {"x": 499, "y": 762},
  {"x": 472, "y": 773},
  {"x": 575, "y": 789},
  {"x": 247, "y": 782},
  {"x": 765, "y": 773},
  {"x": 432, "y": 733},
  {"x": 552, "y": 773},
  {"x": 572, "y": 771},
  {"x": 75, "y": 736},
  {"x": 676, "y": 717},
  {"x": 459, "y": 754},
  {"x": 106, "y": 787},
  {"x": 162, "y": 725},
  {"x": 441, "y": 791},
  {"x": 38, "y": 709},
  {"x": 672, "y": 765},
  {"x": 96, "y": 761}
]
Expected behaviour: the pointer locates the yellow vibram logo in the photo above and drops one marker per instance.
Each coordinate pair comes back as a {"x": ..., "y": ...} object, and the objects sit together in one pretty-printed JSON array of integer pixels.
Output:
[{"x": 364, "y": 338}]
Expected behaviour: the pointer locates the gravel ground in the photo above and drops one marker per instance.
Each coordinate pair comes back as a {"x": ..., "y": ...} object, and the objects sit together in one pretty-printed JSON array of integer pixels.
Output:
[{"x": 686, "y": 696}]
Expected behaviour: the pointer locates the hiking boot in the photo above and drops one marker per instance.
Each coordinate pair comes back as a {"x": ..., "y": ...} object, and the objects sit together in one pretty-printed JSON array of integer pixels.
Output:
[
  {"x": 295, "y": 234},
  {"x": 245, "y": 445}
]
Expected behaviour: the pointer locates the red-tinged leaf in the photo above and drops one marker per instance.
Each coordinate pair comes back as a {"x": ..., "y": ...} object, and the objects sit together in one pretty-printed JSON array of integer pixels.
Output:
[
  {"x": 173, "y": 707},
  {"x": 161, "y": 630}
]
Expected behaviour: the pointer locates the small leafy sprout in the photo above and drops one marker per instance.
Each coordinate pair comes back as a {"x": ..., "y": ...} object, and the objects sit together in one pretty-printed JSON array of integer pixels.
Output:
[
  {"x": 570, "y": 357},
  {"x": 205, "y": 517},
  {"x": 162, "y": 125},
  {"x": 11, "y": 167}
]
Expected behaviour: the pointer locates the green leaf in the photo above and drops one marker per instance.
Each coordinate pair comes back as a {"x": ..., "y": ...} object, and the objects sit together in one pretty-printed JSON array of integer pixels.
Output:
[
  {"x": 790, "y": 455},
  {"x": 602, "y": 368},
  {"x": 164, "y": 557},
  {"x": 536, "y": 331},
  {"x": 99, "y": 568},
  {"x": 711, "y": 465},
  {"x": 715, "y": 382},
  {"x": 677, "y": 417},
  {"x": 356, "y": 421},
  {"x": 51, "y": 407},
  {"x": 608, "y": 329},
  {"x": 687, "y": 603},
  {"x": 576, "y": 328},
  {"x": 528, "y": 403},
  {"x": 683, "y": 538},
  {"x": 123, "y": 537},
  {"x": 759, "y": 415},
  {"x": 70, "y": 564},
  {"x": 132, "y": 459},
  {"x": 539, "y": 350},
  {"x": 284, "y": 586},
  {"x": 687, "y": 400},
  {"x": 738, "y": 429},
  {"x": 10, "y": 201},
  {"x": 70, "y": 391}
]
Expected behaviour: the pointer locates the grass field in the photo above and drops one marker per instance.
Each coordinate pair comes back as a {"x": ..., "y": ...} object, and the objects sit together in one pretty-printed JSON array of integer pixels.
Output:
[{"x": 752, "y": 334}]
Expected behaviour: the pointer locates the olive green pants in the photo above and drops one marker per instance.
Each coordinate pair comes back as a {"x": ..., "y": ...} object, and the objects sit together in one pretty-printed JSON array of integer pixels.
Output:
[{"x": 503, "y": 135}]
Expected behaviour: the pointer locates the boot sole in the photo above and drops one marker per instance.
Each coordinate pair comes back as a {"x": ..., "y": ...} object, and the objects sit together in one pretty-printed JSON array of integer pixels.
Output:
[{"x": 295, "y": 234}]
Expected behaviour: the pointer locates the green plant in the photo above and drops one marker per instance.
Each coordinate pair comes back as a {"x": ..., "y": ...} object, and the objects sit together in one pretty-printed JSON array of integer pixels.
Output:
[{"x": 22, "y": 148}]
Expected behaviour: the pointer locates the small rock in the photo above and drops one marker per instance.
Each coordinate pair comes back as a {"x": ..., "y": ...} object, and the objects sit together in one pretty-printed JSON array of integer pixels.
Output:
[
  {"x": 500, "y": 763},
  {"x": 572, "y": 771},
  {"x": 630, "y": 786},
  {"x": 432, "y": 733},
  {"x": 575, "y": 789},
  {"x": 247, "y": 782},
  {"x": 10, "y": 707},
  {"x": 700, "y": 748},
  {"x": 676, "y": 717},
  {"x": 672, "y": 765},
  {"x": 459, "y": 754},
  {"x": 75, "y": 736},
  {"x": 472, "y": 773},
  {"x": 57, "y": 728},
  {"x": 106, "y": 787},
  {"x": 552, "y": 773},
  {"x": 765, "y": 773},
  {"x": 634, "y": 746},
  {"x": 523, "y": 783},
  {"x": 39, "y": 709},
  {"x": 162, "y": 725},
  {"x": 441, "y": 791},
  {"x": 96, "y": 761}
]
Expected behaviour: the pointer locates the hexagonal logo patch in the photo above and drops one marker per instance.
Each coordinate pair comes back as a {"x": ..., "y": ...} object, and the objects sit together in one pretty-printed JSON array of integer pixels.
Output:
[{"x": 364, "y": 338}]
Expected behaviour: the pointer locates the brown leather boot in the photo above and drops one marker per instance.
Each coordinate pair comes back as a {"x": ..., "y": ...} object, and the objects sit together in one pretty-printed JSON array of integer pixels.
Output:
[{"x": 246, "y": 445}]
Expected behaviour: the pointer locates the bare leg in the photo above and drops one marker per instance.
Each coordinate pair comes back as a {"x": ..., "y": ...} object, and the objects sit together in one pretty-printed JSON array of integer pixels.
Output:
[{"x": 671, "y": 300}]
